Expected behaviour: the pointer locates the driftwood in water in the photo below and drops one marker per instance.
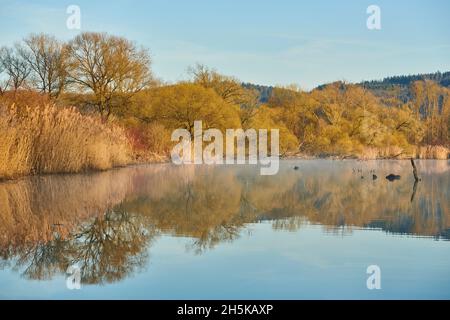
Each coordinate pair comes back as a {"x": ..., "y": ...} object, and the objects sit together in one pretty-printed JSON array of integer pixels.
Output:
[{"x": 416, "y": 177}]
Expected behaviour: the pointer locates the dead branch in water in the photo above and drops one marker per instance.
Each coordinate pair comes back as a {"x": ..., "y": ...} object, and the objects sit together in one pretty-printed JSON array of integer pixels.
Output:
[
  {"x": 413, "y": 195},
  {"x": 416, "y": 177}
]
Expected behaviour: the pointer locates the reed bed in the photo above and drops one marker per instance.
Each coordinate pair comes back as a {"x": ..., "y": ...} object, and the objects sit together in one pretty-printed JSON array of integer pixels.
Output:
[
  {"x": 50, "y": 139},
  {"x": 433, "y": 152}
]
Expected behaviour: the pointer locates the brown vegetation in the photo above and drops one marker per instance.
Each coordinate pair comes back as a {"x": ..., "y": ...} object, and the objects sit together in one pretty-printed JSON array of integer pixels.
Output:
[{"x": 50, "y": 140}]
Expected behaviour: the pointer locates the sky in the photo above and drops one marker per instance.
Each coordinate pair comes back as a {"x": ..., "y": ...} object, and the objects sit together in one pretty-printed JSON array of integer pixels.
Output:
[{"x": 281, "y": 42}]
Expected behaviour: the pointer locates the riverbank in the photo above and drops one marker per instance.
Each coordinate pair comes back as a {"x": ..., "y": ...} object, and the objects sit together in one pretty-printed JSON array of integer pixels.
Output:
[
  {"x": 54, "y": 140},
  {"x": 161, "y": 159},
  {"x": 420, "y": 152}
]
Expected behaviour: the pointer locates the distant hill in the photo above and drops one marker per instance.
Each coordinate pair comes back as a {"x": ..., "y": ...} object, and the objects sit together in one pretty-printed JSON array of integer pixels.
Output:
[
  {"x": 399, "y": 86},
  {"x": 391, "y": 86},
  {"x": 264, "y": 91},
  {"x": 404, "y": 81}
]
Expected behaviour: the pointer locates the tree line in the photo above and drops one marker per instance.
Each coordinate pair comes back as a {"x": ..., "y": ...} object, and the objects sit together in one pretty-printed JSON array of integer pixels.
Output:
[
  {"x": 111, "y": 76},
  {"x": 105, "y": 67}
]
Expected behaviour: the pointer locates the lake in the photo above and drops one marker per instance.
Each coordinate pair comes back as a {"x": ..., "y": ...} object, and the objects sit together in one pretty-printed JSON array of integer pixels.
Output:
[{"x": 226, "y": 232}]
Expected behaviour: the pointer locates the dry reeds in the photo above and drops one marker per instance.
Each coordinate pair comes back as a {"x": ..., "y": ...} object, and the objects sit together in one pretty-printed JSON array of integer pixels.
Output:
[
  {"x": 48, "y": 139},
  {"x": 395, "y": 152},
  {"x": 433, "y": 152}
]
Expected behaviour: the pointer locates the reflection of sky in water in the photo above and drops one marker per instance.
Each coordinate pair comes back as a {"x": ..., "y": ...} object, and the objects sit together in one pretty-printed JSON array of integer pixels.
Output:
[
  {"x": 283, "y": 256},
  {"x": 291, "y": 265}
]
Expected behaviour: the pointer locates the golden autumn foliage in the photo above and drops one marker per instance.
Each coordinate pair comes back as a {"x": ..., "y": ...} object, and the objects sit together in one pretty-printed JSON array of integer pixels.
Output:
[
  {"x": 178, "y": 106},
  {"x": 346, "y": 120}
]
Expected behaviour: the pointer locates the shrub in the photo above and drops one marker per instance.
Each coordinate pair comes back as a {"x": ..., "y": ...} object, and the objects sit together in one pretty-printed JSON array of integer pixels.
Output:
[{"x": 150, "y": 142}]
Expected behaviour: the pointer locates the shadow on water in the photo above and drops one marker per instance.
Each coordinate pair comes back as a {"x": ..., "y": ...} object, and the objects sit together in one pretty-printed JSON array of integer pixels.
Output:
[{"x": 106, "y": 222}]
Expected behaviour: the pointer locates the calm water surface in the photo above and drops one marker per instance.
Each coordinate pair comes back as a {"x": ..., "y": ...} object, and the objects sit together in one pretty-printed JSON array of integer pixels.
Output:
[{"x": 199, "y": 232}]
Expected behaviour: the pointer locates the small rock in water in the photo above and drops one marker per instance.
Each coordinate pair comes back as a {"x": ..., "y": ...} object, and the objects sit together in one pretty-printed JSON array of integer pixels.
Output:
[
  {"x": 296, "y": 168},
  {"x": 393, "y": 177},
  {"x": 374, "y": 177}
]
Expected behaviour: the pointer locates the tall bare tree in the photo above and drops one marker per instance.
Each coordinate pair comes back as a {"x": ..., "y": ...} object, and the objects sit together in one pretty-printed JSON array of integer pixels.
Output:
[
  {"x": 4, "y": 79},
  {"x": 16, "y": 68},
  {"x": 46, "y": 57},
  {"x": 110, "y": 68}
]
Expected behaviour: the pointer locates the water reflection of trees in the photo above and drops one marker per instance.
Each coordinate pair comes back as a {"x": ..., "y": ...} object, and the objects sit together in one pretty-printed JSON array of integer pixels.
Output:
[
  {"x": 50, "y": 223},
  {"x": 111, "y": 246},
  {"x": 106, "y": 248},
  {"x": 106, "y": 222}
]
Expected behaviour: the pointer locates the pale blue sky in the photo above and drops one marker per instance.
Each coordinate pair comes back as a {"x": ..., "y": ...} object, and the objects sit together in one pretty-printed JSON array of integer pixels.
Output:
[{"x": 259, "y": 41}]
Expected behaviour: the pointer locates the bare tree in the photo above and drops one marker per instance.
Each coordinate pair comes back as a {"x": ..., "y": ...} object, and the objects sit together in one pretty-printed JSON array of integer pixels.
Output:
[
  {"x": 110, "y": 68},
  {"x": 16, "y": 68},
  {"x": 46, "y": 57},
  {"x": 4, "y": 78}
]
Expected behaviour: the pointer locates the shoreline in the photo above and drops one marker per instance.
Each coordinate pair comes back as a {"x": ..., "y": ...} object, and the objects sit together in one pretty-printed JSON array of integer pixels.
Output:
[{"x": 160, "y": 160}]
